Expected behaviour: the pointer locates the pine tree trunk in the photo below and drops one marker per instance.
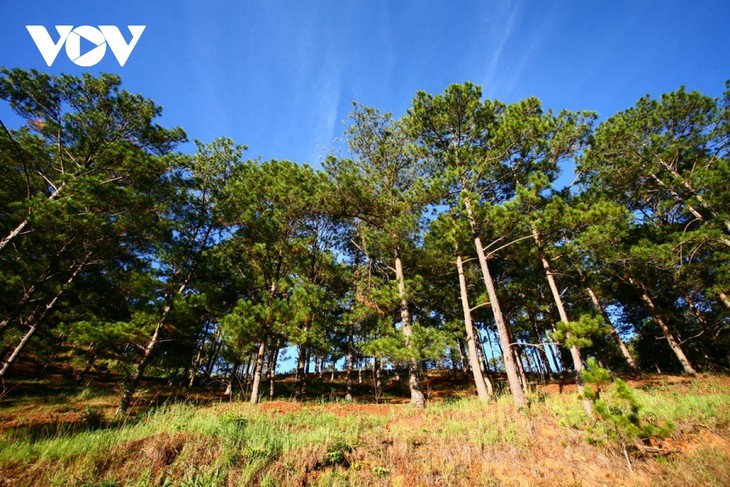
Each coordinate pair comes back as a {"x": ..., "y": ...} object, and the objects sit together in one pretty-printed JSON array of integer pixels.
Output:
[
  {"x": 198, "y": 358},
  {"x": 350, "y": 359},
  {"x": 232, "y": 379},
  {"x": 462, "y": 355},
  {"x": 541, "y": 351},
  {"x": 520, "y": 368},
  {"x": 574, "y": 352},
  {"x": 479, "y": 379},
  {"x": 213, "y": 353},
  {"x": 614, "y": 333},
  {"x": 20, "y": 226},
  {"x": 92, "y": 354},
  {"x": 25, "y": 299},
  {"x": 484, "y": 364},
  {"x": 377, "y": 385},
  {"x": 557, "y": 359},
  {"x": 300, "y": 382},
  {"x": 417, "y": 397},
  {"x": 274, "y": 358},
  {"x": 258, "y": 371},
  {"x": 502, "y": 330},
  {"x": 686, "y": 365},
  {"x": 131, "y": 386},
  {"x": 38, "y": 315}
]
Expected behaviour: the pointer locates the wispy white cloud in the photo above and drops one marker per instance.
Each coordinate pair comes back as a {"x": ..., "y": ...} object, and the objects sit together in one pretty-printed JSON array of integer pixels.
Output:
[
  {"x": 326, "y": 99},
  {"x": 500, "y": 27},
  {"x": 535, "y": 41}
]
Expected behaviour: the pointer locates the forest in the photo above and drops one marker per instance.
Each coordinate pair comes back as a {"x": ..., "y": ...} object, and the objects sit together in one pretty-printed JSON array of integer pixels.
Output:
[
  {"x": 487, "y": 247},
  {"x": 443, "y": 238}
]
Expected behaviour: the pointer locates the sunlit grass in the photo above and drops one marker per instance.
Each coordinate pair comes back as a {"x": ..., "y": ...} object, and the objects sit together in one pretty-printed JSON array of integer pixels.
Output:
[{"x": 459, "y": 442}]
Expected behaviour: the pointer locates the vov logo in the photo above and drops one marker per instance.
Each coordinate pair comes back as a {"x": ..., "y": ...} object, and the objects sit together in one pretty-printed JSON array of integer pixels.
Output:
[{"x": 71, "y": 37}]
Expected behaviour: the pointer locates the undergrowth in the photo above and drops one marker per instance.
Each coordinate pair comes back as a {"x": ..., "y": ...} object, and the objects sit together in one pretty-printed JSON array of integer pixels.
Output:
[{"x": 462, "y": 442}]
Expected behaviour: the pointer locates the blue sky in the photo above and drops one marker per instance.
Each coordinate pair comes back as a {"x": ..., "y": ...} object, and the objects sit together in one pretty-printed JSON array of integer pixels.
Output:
[{"x": 280, "y": 76}]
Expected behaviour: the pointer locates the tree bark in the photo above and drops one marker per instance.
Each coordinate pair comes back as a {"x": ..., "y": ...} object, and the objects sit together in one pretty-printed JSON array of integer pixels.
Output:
[
  {"x": 574, "y": 352},
  {"x": 502, "y": 330},
  {"x": 24, "y": 300},
  {"x": 541, "y": 351},
  {"x": 20, "y": 226},
  {"x": 462, "y": 355},
  {"x": 198, "y": 358},
  {"x": 377, "y": 385},
  {"x": 213, "y": 353},
  {"x": 300, "y": 383},
  {"x": 482, "y": 356},
  {"x": 35, "y": 319},
  {"x": 614, "y": 333},
  {"x": 273, "y": 359},
  {"x": 479, "y": 380},
  {"x": 686, "y": 365},
  {"x": 232, "y": 379},
  {"x": 414, "y": 383},
  {"x": 520, "y": 369},
  {"x": 350, "y": 359},
  {"x": 149, "y": 349},
  {"x": 258, "y": 371}
]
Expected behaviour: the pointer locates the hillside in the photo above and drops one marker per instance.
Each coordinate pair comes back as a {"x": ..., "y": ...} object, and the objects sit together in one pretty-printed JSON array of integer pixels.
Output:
[{"x": 56, "y": 438}]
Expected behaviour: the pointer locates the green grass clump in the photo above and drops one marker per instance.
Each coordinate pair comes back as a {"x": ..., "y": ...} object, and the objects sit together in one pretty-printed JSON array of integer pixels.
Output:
[{"x": 461, "y": 442}]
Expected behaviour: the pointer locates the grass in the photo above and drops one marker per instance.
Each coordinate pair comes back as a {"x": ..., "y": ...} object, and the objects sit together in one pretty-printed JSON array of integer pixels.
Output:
[{"x": 463, "y": 442}]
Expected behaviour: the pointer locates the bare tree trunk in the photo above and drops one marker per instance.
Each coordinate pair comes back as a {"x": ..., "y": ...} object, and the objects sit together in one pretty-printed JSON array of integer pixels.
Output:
[
  {"x": 502, "y": 330},
  {"x": 686, "y": 365},
  {"x": 520, "y": 368},
  {"x": 300, "y": 382},
  {"x": 232, "y": 379},
  {"x": 20, "y": 226},
  {"x": 574, "y": 352},
  {"x": 318, "y": 361},
  {"x": 35, "y": 319},
  {"x": 555, "y": 354},
  {"x": 462, "y": 355},
  {"x": 198, "y": 358},
  {"x": 417, "y": 397},
  {"x": 541, "y": 351},
  {"x": 483, "y": 363},
  {"x": 377, "y": 384},
  {"x": 350, "y": 359},
  {"x": 480, "y": 351},
  {"x": 92, "y": 354},
  {"x": 258, "y": 371},
  {"x": 614, "y": 333},
  {"x": 272, "y": 367},
  {"x": 24, "y": 300},
  {"x": 476, "y": 369},
  {"x": 215, "y": 349},
  {"x": 131, "y": 386},
  {"x": 539, "y": 364}
]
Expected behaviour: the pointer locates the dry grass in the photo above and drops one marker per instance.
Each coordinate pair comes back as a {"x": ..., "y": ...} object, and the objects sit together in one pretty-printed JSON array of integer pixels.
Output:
[{"x": 76, "y": 442}]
